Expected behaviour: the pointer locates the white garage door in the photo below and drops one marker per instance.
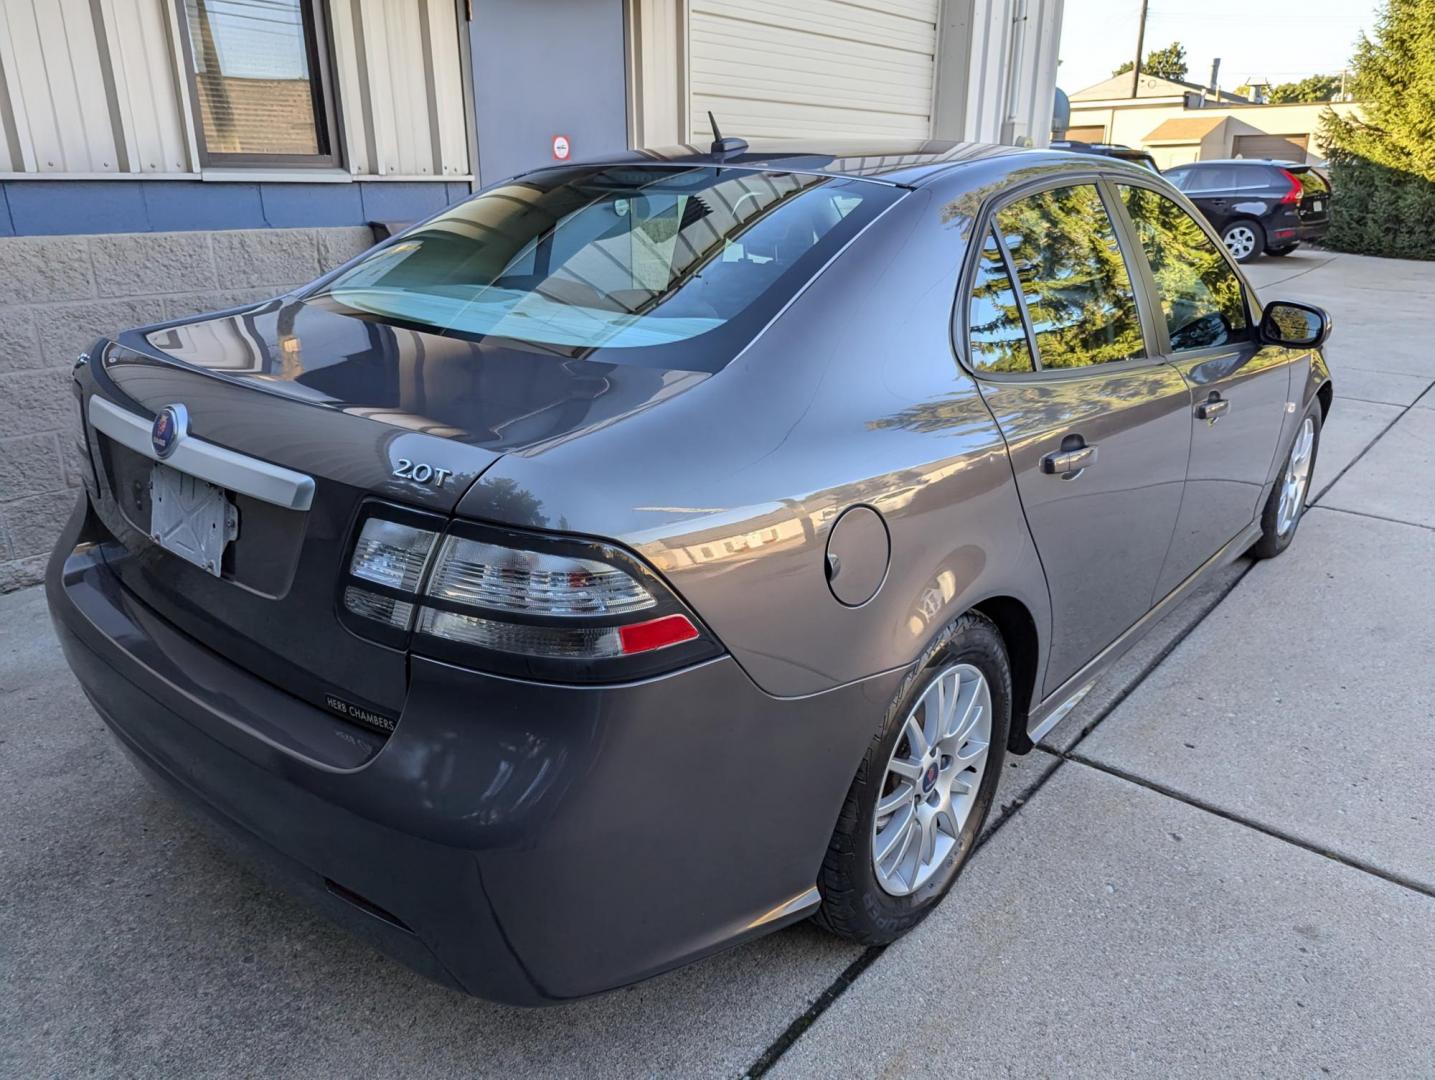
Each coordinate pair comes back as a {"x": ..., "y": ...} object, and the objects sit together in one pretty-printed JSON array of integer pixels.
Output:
[{"x": 813, "y": 67}]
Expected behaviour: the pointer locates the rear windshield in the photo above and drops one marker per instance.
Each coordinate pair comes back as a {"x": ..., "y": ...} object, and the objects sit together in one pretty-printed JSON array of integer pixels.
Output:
[
  {"x": 1311, "y": 183},
  {"x": 675, "y": 267}
]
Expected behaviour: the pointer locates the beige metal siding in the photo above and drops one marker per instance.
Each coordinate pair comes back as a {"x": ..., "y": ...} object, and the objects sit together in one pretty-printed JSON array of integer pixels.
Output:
[
  {"x": 51, "y": 59},
  {"x": 657, "y": 72},
  {"x": 997, "y": 70},
  {"x": 151, "y": 113},
  {"x": 96, "y": 87},
  {"x": 812, "y": 67},
  {"x": 401, "y": 86}
]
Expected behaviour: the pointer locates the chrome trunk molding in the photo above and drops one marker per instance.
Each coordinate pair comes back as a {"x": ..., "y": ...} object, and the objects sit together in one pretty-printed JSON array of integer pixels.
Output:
[{"x": 225, "y": 468}]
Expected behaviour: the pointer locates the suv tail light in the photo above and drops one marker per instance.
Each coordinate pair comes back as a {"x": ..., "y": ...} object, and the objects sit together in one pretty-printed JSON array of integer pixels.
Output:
[
  {"x": 520, "y": 603},
  {"x": 1292, "y": 196}
]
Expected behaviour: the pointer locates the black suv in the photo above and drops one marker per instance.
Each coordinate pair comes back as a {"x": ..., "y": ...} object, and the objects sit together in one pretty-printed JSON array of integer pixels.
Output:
[{"x": 1257, "y": 206}]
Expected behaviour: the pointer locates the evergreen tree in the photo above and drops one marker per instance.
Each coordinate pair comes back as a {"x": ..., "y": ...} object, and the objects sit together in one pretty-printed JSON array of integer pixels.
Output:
[
  {"x": 1383, "y": 166},
  {"x": 1313, "y": 88}
]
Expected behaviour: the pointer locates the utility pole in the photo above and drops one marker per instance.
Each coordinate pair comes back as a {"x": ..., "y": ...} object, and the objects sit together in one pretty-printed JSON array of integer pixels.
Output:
[{"x": 1140, "y": 44}]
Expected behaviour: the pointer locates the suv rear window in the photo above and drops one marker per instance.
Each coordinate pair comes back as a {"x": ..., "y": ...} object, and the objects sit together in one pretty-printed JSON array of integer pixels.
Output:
[
  {"x": 1311, "y": 182},
  {"x": 666, "y": 266}
]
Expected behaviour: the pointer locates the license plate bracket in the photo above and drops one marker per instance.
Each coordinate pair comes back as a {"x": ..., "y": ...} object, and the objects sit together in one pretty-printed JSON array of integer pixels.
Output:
[{"x": 191, "y": 518}]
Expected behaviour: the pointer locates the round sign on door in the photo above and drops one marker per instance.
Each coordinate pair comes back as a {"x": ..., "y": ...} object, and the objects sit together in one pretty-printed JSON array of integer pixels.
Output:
[{"x": 561, "y": 148}]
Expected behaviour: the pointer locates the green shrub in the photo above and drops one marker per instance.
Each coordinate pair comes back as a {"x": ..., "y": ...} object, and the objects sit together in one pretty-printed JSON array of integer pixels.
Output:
[{"x": 1377, "y": 210}]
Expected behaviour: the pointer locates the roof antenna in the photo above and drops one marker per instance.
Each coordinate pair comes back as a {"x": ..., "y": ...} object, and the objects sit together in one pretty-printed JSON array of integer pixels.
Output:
[{"x": 721, "y": 146}]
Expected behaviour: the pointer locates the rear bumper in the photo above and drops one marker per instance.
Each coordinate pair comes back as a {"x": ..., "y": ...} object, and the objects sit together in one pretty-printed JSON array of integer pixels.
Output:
[
  {"x": 523, "y": 842},
  {"x": 1293, "y": 232}
]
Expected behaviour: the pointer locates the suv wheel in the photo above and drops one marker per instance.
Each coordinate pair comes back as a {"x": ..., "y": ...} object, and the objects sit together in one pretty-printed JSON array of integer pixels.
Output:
[
  {"x": 1244, "y": 240},
  {"x": 923, "y": 790}
]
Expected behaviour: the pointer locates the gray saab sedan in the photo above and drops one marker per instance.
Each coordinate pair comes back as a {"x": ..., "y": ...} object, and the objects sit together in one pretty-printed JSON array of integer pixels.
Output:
[{"x": 645, "y": 554}]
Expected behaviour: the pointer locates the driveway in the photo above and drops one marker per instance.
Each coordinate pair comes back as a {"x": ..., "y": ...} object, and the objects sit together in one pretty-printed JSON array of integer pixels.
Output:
[{"x": 1221, "y": 863}]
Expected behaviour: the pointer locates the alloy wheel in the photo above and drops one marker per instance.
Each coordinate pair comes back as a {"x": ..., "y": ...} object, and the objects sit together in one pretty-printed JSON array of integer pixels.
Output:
[
  {"x": 1240, "y": 240},
  {"x": 1296, "y": 478},
  {"x": 932, "y": 779}
]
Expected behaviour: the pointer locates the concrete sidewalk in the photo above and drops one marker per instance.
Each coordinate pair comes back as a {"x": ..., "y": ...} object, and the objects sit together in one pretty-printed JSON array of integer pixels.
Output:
[{"x": 1220, "y": 864}]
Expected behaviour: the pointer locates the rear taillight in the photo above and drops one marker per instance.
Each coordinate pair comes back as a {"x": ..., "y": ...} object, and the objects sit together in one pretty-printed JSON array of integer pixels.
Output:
[
  {"x": 390, "y": 553},
  {"x": 500, "y": 578},
  {"x": 515, "y": 602},
  {"x": 1293, "y": 195}
]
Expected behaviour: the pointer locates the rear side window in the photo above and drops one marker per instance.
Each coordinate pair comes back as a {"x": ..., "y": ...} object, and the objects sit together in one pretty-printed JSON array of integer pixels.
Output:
[
  {"x": 998, "y": 335},
  {"x": 1248, "y": 178},
  {"x": 1200, "y": 293},
  {"x": 665, "y": 266},
  {"x": 1210, "y": 178},
  {"x": 1073, "y": 278}
]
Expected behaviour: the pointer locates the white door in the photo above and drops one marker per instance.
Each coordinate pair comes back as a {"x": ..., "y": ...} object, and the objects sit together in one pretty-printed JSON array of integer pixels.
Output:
[{"x": 812, "y": 68}]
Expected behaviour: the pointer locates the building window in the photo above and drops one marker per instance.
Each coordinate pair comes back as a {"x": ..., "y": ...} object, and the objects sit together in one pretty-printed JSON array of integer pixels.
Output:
[{"x": 259, "y": 81}]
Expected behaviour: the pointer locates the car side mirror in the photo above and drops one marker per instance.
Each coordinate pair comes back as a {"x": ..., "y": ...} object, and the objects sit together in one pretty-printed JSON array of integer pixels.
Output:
[{"x": 1294, "y": 326}]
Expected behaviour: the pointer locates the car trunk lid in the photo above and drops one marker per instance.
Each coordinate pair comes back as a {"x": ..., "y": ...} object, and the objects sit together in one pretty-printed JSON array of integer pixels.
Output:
[{"x": 369, "y": 412}]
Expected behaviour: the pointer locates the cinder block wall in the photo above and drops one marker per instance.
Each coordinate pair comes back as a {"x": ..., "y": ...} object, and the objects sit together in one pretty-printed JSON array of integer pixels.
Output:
[{"x": 59, "y": 293}]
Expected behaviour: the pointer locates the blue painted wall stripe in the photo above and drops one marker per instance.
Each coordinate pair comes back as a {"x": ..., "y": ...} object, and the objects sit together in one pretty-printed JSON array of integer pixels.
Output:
[{"x": 54, "y": 207}]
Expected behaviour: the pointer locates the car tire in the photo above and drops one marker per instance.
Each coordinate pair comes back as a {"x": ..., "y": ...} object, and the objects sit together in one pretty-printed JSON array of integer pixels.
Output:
[
  {"x": 1244, "y": 239},
  {"x": 857, "y": 905},
  {"x": 1284, "y": 508},
  {"x": 1285, "y": 249}
]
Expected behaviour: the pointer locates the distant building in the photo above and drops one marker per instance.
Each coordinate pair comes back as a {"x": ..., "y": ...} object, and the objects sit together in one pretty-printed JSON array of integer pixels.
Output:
[{"x": 1177, "y": 121}]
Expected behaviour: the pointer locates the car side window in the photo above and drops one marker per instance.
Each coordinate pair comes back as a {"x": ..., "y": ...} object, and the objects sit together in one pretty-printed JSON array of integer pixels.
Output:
[
  {"x": 997, "y": 333},
  {"x": 1252, "y": 179},
  {"x": 1200, "y": 293},
  {"x": 1073, "y": 277}
]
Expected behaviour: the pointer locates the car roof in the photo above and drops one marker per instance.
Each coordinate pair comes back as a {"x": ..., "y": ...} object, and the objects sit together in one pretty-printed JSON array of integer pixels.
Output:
[{"x": 903, "y": 162}]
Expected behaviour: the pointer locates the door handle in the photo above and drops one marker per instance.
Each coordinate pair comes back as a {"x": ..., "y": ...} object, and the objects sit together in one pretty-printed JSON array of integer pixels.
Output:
[
  {"x": 1213, "y": 408},
  {"x": 1064, "y": 463}
]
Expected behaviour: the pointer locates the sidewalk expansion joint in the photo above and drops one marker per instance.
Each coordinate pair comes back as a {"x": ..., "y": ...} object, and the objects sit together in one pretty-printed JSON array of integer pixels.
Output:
[
  {"x": 1256, "y": 826},
  {"x": 1301, "y": 273},
  {"x": 1315, "y": 499},
  {"x": 1372, "y": 517}
]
